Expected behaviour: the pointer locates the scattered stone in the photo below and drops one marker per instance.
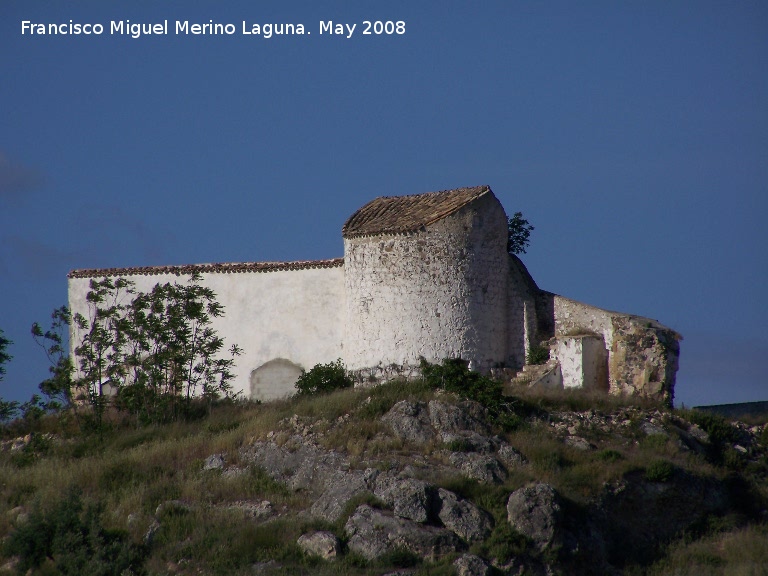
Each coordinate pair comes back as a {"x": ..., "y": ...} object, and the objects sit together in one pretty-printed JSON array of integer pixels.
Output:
[
  {"x": 372, "y": 533},
  {"x": 462, "y": 517},
  {"x": 510, "y": 457},
  {"x": 579, "y": 443},
  {"x": 149, "y": 535},
  {"x": 322, "y": 544},
  {"x": 481, "y": 467},
  {"x": 471, "y": 565},
  {"x": 255, "y": 510},
  {"x": 535, "y": 512},
  {"x": 650, "y": 429},
  {"x": 698, "y": 433},
  {"x": 214, "y": 462}
]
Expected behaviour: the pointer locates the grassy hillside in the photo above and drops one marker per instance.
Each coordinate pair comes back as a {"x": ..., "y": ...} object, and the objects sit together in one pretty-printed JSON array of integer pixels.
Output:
[{"x": 150, "y": 500}]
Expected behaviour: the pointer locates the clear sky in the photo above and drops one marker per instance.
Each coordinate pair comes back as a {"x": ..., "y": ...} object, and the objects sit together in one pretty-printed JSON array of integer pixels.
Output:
[{"x": 632, "y": 135}]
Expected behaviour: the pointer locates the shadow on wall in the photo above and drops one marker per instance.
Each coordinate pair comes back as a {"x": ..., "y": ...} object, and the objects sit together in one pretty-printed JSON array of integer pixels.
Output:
[{"x": 274, "y": 378}]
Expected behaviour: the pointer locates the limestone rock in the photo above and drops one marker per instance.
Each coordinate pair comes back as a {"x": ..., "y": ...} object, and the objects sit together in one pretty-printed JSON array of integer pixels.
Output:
[
  {"x": 535, "y": 512},
  {"x": 322, "y": 544},
  {"x": 481, "y": 467},
  {"x": 409, "y": 498},
  {"x": 451, "y": 420},
  {"x": 372, "y": 533},
  {"x": 462, "y": 517},
  {"x": 214, "y": 462},
  {"x": 330, "y": 505},
  {"x": 471, "y": 565},
  {"x": 298, "y": 463},
  {"x": 410, "y": 421},
  {"x": 510, "y": 457}
]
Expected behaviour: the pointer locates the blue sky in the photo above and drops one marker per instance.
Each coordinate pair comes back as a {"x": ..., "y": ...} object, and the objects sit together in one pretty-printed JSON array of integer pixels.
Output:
[{"x": 632, "y": 135}]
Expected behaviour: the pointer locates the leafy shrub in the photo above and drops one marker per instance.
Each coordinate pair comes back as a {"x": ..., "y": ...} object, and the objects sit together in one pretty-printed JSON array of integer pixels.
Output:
[
  {"x": 323, "y": 378},
  {"x": 659, "y": 471},
  {"x": 719, "y": 429},
  {"x": 537, "y": 354},
  {"x": 454, "y": 375},
  {"x": 609, "y": 455},
  {"x": 71, "y": 540}
]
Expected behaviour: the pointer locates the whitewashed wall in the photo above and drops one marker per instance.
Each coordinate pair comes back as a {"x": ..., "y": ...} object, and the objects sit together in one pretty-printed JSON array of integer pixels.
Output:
[
  {"x": 294, "y": 315},
  {"x": 440, "y": 292}
]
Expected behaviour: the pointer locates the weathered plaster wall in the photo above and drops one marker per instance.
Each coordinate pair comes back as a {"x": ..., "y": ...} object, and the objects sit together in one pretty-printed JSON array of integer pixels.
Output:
[
  {"x": 642, "y": 354},
  {"x": 293, "y": 315},
  {"x": 583, "y": 362},
  {"x": 440, "y": 292}
]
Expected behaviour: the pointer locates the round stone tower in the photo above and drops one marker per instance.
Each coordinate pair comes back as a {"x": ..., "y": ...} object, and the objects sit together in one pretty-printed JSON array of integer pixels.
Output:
[{"x": 426, "y": 275}]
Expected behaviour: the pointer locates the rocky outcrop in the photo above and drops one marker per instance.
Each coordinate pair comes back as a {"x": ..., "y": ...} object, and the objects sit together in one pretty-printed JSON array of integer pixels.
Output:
[
  {"x": 535, "y": 512},
  {"x": 373, "y": 533}
]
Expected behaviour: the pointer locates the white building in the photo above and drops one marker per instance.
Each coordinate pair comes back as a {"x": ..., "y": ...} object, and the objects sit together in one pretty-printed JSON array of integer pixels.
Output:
[{"x": 423, "y": 275}]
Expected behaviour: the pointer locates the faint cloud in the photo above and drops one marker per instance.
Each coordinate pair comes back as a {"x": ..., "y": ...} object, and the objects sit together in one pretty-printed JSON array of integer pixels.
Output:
[
  {"x": 117, "y": 231},
  {"x": 26, "y": 257},
  {"x": 16, "y": 180}
]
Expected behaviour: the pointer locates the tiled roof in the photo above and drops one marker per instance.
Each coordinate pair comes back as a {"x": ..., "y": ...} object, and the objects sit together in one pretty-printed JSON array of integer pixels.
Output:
[
  {"x": 401, "y": 214},
  {"x": 225, "y": 268}
]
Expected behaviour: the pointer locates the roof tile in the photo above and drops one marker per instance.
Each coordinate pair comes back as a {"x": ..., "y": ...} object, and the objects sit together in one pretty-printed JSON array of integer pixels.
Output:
[{"x": 403, "y": 214}]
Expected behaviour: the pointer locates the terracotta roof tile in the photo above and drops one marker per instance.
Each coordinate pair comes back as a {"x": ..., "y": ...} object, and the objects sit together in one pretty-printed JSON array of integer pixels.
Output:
[
  {"x": 402, "y": 214},
  {"x": 227, "y": 268}
]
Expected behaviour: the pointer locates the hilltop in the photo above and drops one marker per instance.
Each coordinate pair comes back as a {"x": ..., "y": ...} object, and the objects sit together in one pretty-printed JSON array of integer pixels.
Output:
[{"x": 406, "y": 478}]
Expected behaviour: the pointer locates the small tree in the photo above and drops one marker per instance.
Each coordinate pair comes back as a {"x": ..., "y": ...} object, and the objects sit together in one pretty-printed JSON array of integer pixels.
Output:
[
  {"x": 4, "y": 356},
  {"x": 155, "y": 350},
  {"x": 173, "y": 350},
  {"x": 8, "y": 409},
  {"x": 100, "y": 353},
  {"x": 57, "y": 388},
  {"x": 518, "y": 233}
]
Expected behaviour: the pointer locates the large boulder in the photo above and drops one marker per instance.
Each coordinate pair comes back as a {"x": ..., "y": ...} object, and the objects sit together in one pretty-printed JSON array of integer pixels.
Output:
[
  {"x": 471, "y": 565},
  {"x": 535, "y": 511},
  {"x": 409, "y": 498},
  {"x": 373, "y": 533},
  {"x": 462, "y": 517},
  {"x": 456, "y": 420},
  {"x": 332, "y": 503}
]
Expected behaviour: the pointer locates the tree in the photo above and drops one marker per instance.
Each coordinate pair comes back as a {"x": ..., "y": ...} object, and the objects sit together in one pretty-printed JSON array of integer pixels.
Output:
[
  {"x": 8, "y": 409},
  {"x": 518, "y": 233},
  {"x": 4, "y": 356},
  {"x": 57, "y": 388},
  {"x": 153, "y": 351}
]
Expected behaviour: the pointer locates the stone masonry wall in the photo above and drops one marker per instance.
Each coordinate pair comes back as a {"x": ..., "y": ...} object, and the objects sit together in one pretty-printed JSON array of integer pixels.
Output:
[
  {"x": 440, "y": 292},
  {"x": 642, "y": 354}
]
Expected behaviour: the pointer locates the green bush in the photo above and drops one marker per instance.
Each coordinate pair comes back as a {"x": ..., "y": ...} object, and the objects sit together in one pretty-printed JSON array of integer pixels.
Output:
[
  {"x": 659, "y": 471},
  {"x": 454, "y": 375},
  {"x": 323, "y": 378},
  {"x": 69, "y": 539}
]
